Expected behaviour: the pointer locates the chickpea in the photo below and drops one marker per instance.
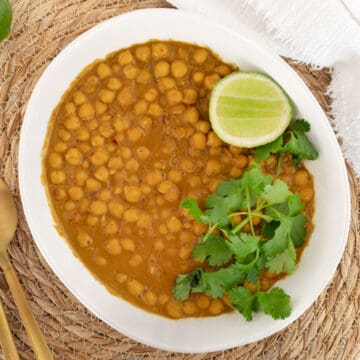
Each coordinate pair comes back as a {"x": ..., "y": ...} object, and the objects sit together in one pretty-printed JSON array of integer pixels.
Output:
[
  {"x": 271, "y": 162},
  {"x": 188, "y": 165},
  {"x": 128, "y": 244},
  {"x": 132, "y": 193},
  {"x": 216, "y": 307},
  {"x": 190, "y": 115},
  {"x": 166, "y": 83},
  {"x": 174, "y": 97},
  {"x": 176, "y": 109},
  {"x": 250, "y": 286},
  {"x": 100, "y": 261},
  {"x": 150, "y": 298},
  {"x": 92, "y": 220},
  {"x": 69, "y": 205},
  {"x": 72, "y": 122},
  {"x": 161, "y": 69},
  {"x": 79, "y": 97},
  {"x": 306, "y": 194},
  {"x": 151, "y": 95},
  {"x": 98, "y": 208},
  {"x": 113, "y": 246},
  {"x": 116, "y": 208},
  {"x": 154, "y": 177},
  {"x": 174, "y": 175},
  {"x": 164, "y": 186},
  {"x": 103, "y": 70},
  {"x": 213, "y": 140},
  {"x": 198, "y": 141},
  {"x": 84, "y": 239},
  {"x": 131, "y": 215},
  {"x": 235, "y": 172},
  {"x": 60, "y": 194},
  {"x": 301, "y": 178},
  {"x": 86, "y": 111},
  {"x": 125, "y": 57},
  {"x": 135, "y": 288},
  {"x": 92, "y": 184},
  {"x": 55, "y": 161},
  {"x": 168, "y": 146},
  {"x": 241, "y": 161},
  {"x": 126, "y": 97},
  {"x": 125, "y": 152},
  {"x": 203, "y": 302},
  {"x": 130, "y": 71},
  {"x": 174, "y": 224},
  {"x": 142, "y": 152},
  {"x": 159, "y": 50},
  {"x": 199, "y": 229},
  {"x": 200, "y": 55},
  {"x": 222, "y": 70},
  {"x": 132, "y": 165},
  {"x": 265, "y": 284},
  {"x": 198, "y": 77},
  {"x": 190, "y": 96},
  {"x": 99, "y": 156},
  {"x": 135, "y": 260},
  {"x": 70, "y": 108},
  {"x": 155, "y": 110},
  {"x": 57, "y": 177},
  {"x": 121, "y": 278},
  {"x": 114, "y": 84},
  {"x": 82, "y": 133},
  {"x": 64, "y": 135},
  {"x": 174, "y": 309},
  {"x": 142, "y": 53},
  {"x": 97, "y": 140},
  {"x": 202, "y": 126},
  {"x": 105, "y": 195},
  {"x": 92, "y": 124},
  {"x": 163, "y": 299},
  {"x": 146, "y": 122},
  {"x": 287, "y": 178},
  {"x": 73, "y": 156},
  {"x": 179, "y": 69},
  {"x": 178, "y": 132},
  {"x": 184, "y": 252},
  {"x": 106, "y": 96},
  {"x": 141, "y": 107},
  {"x": 173, "y": 194},
  {"x": 144, "y": 77},
  {"x": 75, "y": 193},
  {"x": 134, "y": 134},
  {"x": 159, "y": 245},
  {"x": 256, "y": 220},
  {"x": 121, "y": 123},
  {"x": 213, "y": 167},
  {"x": 211, "y": 80},
  {"x": 189, "y": 308},
  {"x": 101, "y": 174},
  {"x": 60, "y": 147},
  {"x": 145, "y": 189}
]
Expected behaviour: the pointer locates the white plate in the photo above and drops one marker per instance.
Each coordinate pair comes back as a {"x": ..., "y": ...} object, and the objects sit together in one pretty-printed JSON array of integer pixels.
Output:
[{"x": 332, "y": 215}]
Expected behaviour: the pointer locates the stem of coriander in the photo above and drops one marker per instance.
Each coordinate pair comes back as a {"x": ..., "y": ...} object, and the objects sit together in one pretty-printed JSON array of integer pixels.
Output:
[
  {"x": 249, "y": 211},
  {"x": 211, "y": 228},
  {"x": 278, "y": 166},
  {"x": 239, "y": 226}
]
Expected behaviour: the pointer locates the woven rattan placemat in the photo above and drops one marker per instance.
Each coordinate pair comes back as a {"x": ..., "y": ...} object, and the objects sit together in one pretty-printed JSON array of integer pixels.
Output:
[{"x": 330, "y": 329}]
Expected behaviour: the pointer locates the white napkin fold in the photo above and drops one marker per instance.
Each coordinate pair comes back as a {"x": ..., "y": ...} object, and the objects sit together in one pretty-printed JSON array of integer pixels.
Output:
[{"x": 317, "y": 32}]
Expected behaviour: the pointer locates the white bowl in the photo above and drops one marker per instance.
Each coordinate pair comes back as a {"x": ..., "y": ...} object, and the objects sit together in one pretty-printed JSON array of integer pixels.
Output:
[{"x": 320, "y": 258}]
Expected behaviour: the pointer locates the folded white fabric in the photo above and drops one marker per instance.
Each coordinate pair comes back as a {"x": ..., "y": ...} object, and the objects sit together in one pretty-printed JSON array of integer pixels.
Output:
[{"x": 317, "y": 32}]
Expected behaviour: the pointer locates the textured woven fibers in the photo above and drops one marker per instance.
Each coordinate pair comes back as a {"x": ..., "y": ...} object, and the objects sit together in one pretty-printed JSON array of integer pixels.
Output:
[{"x": 41, "y": 28}]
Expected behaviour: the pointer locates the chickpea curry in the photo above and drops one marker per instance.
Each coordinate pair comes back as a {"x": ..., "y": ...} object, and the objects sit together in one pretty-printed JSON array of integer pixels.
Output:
[{"x": 129, "y": 140}]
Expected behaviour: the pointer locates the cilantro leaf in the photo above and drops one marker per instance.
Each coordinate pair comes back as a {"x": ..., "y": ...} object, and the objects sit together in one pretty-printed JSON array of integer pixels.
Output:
[
  {"x": 298, "y": 229},
  {"x": 185, "y": 283},
  {"x": 300, "y": 125},
  {"x": 268, "y": 229},
  {"x": 295, "y": 205},
  {"x": 275, "y": 303},
  {"x": 243, "y": 245},
  {"x": 214, "y": 283},
  {"x": 283, "y": 262},
  {"x": 254, "y": 274},
  {"x": 228, "y": 187},
  {"x": 276, "y": 193},
  {"x": 279, "y": 242},
  {"x": 214, "y": 249},
  {"x": 5, "y": 19},
  {"x": 192, "y": 205},
  {"x": 243, "y": 301},
  {"x": 263, "y": 152}
]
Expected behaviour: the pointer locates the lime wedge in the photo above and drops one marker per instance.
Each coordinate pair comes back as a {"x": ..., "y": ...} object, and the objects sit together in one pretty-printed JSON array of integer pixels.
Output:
[{"x": 249, "y": 109}]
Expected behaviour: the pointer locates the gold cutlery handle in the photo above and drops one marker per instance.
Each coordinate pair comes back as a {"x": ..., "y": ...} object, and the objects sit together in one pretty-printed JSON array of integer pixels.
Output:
[
  {"x": 6, "y": 338},
  {"x": 40, "y": 347}
]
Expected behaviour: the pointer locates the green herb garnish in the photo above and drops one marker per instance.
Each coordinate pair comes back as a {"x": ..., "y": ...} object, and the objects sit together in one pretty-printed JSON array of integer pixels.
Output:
[
  {"x": 246, "y": 255},
  {"x": 293, "y": 141},
  {"x": 5, "y": 19}
]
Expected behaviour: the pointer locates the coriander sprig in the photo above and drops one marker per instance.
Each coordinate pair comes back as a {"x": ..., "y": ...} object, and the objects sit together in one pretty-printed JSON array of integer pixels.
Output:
[{"x": 245, "y": 256}]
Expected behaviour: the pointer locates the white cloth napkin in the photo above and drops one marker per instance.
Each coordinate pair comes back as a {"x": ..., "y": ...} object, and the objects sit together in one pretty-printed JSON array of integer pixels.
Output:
[{"x": 317, "y": 32}]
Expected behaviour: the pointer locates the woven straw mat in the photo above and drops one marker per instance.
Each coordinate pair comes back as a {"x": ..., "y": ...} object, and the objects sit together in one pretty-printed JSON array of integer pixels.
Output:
[{"x": 41, "y": 28}]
